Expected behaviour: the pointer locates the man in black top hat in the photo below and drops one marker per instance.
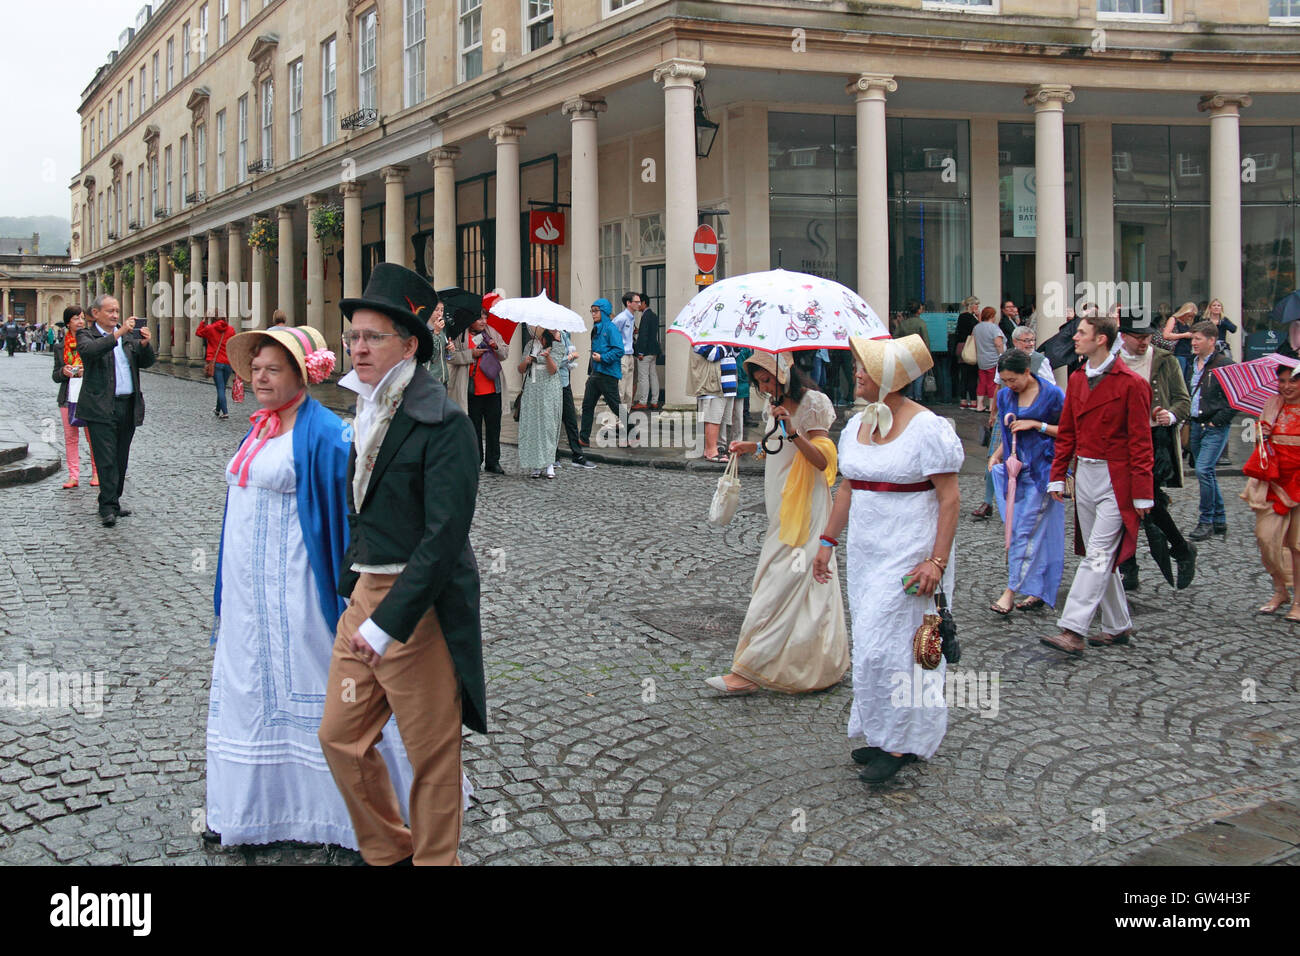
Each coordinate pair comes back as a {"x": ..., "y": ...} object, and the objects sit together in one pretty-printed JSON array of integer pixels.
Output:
[
  {"x": 1170, "y": 406},
  {"x": 409, "y": 643}
]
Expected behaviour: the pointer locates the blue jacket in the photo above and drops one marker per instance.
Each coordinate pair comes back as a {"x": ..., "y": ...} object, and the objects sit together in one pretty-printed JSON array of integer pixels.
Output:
[{"x": 607, "y": 340}]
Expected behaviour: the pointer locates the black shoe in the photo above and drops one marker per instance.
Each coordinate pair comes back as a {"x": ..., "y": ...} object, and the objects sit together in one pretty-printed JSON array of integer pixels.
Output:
[
  {"x": 495, "y": 470},
  {"x": 883, "y": 766},
  {"x": 108, "y": 520},
  {"x": 864, "y": 755},
  {"x": 1221, "y": 530},
  {"x": 123, "y": 512},
  {"x": 1200, "y": 532},
  {"x": 212, "y": 837},
  {"x": 1186, "y": 568},
  {"x": 1129, "y": 575},
  {"x": 584, "y": 463}
]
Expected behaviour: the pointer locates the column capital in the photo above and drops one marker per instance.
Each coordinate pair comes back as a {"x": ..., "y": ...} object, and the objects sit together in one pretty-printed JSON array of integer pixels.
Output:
[
  {"x": 444, "y": 156},
  {"x": 312, "y": 200},
  {"x": 584, "y": 107},
  {"x": 198, "y": 238},
  {"x": 394, "y": 174},
  {"x": 235, "y": 227},
  {"x": 506, "y": 133},
  {"x": 1049, "y": 96},
  {"x": 284, "y": 211},
  {"x": 351, "y": 189},
  {"x": 679, "y": 72},
  {"x": 872, "y": 85},
  {"x": 1224, "y": 102},
  {"x": 216, "y": 233}
]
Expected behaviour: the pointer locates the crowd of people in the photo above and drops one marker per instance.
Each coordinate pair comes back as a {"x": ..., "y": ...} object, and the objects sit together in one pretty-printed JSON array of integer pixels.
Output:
[{"x": 30, "y": 336}]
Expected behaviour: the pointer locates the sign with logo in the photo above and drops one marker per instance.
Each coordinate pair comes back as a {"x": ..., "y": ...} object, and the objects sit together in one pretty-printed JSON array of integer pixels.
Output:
[
  {"x": 546, "y": 228},
  {"x": 1024, "y": 202},
  {"x": 705, "y": 248},
  {"x": 703, "y": 278}
]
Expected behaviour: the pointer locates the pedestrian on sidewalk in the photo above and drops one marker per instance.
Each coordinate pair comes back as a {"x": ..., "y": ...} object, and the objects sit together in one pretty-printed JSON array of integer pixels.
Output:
[
  {"x": 483, "y": 351},
  {"x": 733, "y": 429},
  {"x": 11, "y": 335},
  {"x": 111, "y": 402},
  {"x": 990, "y": 342},
  {"x": 911, "y": 323},
  {"x": 646, "y": 350},
  {"x": 1105, "y": 424},
  {"x": 965, "y": 375},
  {"x": 606, "y": 368},
  {"x": 713, "y": 404},
  {"x": 794, "y": 638},
  {"x": 1178, "y": 330},
  {"x": 216, "y": 332},
  {"x": 900, "y": 502},
  {"x": 1211, "y": 417},
  {"x": 1170, "y": 406},
  {"x": 409, "y": 643},
  {"x": 68, "y": 372},
  {"x": 625, "y": 322},
  {"x": 540, "y": 411},
  {"x": 1029, "y": 408},
  {"x": 568, "y": 417},
  {"x": 437, "y": 364}
]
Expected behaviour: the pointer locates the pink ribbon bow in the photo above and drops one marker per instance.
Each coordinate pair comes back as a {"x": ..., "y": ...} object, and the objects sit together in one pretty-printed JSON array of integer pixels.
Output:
[{"x": 270, "y": 417}]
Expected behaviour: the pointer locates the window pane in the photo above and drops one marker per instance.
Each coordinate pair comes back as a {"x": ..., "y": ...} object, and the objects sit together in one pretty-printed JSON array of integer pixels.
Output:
[
  {"x": 801, "y": 153},
  {"x": 1140, "y": 160},
  {"x": 1267, "y": 271},
  {"x": 1142, "y": 249},
  {"x": 1189, "y": 147},
  {"x": 1267, "y": 155}
]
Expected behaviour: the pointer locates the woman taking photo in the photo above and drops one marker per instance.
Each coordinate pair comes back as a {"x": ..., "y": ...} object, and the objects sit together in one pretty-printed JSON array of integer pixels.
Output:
[
  {"x": 1277, "y": 525},
  {"x": 1178, "y": 332},
  {"x": 437, "y": 364},
  {"x": 540, "y": 408},
  {"x": 900, "y": 503},
  {"x": 1028, "y": 410},
  {"x": 283, "y": 538},
  {"x": 1214, "y": 313},
  {"x": 794, "y": 637},
  {"x": 68, "y": 373}
]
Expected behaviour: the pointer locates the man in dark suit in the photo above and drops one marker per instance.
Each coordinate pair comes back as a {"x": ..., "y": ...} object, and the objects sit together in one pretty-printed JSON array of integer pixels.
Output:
[
  {"x": 409, "y": 643},
  {"x": 111, "y": 402}
]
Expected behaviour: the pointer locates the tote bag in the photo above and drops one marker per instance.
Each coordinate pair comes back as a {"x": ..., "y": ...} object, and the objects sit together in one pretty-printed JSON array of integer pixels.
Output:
[{"x": 727, "y": 496}]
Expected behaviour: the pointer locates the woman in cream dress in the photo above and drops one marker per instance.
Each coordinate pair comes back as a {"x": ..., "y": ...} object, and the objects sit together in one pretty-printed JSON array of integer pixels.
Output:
[{"x": 794, "y": 637}]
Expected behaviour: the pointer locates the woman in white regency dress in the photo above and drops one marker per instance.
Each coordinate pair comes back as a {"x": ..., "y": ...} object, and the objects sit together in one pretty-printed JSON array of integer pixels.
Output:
[
  {"x": 900, "y": 502},
  {"x": 267, "y": 779},
  {"x": 794, "y": 638}
]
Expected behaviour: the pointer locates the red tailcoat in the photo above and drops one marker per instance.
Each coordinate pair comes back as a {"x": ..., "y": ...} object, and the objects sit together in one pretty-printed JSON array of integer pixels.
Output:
[{"x": 1112, "y": 422}]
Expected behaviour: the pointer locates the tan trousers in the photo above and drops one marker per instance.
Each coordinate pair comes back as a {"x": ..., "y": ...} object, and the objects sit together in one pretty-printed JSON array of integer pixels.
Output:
[
  {"x": 417, "y": 682},
  {"x": 1097, "y": 584}
]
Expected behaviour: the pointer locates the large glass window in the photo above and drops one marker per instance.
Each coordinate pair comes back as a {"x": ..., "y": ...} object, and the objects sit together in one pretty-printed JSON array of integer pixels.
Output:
[
  {"x": 1017, "y": 181},
  {"x": 241, "y": 147},
  {"x": 470, "y": 39},
  {"x": 413, "y": 53},
  {"x": 329, "y": 122},
  {"x": 295, "y": 108},
  {"x": 221, "y": 150},
  {"x": 368, "y": 73}
]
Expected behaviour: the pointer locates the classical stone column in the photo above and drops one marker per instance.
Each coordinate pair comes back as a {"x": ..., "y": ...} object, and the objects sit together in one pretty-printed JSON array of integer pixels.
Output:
[
  {"x": 237, "y": 303},
  {"x": 507, "y": 252},
  {"x": 351, "y": 259},
  {"x": 395, "y": 247},
  {"x": 213, "y": 300},
  {"x": 681, "y": 212},
  {"x": 1048, "y": 101},
  {"x": 194, "y": 307},
  {"x": 315, "y": 270},
  {"x": 288, "y": 261},
  {"x": 444, "y": 215},
  {"x": 869, "y": 91},
  {"x": 125, "y": 303},
  {"x": 4, "y": 304},
  {"x": 166, "y": 307},
  {"x": 258, "y": 288},
  {"x": 1225, "y": 205},
  {"x": 138, "y": 298},
  {"x": 584, "y": 220},
  {"x": 85, "y": 291}
]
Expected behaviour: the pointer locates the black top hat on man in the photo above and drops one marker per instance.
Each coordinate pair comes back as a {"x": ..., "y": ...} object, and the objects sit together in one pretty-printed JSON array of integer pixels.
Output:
[
  {"x": 1135, "y": 321},
  {"x": 402, "y": 295}
]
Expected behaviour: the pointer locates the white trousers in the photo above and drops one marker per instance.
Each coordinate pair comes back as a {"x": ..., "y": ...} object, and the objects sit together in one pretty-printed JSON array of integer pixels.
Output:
[
  {"x": 647, "y": 380},
  {"x": 1097, "y": 585}
]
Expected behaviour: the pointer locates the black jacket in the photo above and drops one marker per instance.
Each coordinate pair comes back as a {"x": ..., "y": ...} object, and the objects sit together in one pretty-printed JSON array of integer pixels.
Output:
[
  {"x": 647, "y": 336},
  {"x": 97, "y": 391},
  {"x": 59, "y": 377},
  {"x": 1214, "y": 409},
  {"x": 418, "y": 509}
]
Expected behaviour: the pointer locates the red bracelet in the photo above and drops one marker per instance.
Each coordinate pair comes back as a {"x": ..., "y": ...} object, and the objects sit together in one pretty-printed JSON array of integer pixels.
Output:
[{"x": 833, "y": 541}]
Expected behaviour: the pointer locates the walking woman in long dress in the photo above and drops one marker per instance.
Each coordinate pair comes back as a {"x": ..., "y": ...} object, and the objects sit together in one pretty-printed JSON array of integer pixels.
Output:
[
  {"x": 794, "y": 637},
  {"x": 283, "y": 538},
  {"x": 900, "y": 502},
  {"x": 540, "y": 410}
]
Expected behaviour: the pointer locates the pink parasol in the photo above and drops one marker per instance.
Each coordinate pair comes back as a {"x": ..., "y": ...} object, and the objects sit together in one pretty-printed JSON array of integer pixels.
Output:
[
  {"x": 1013, "y": 469},
  {"x": 1249, "y": 385}
]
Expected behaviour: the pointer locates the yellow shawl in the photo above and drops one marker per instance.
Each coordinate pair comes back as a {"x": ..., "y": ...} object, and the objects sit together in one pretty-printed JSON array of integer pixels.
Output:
[{"x": 796, "y": 497}]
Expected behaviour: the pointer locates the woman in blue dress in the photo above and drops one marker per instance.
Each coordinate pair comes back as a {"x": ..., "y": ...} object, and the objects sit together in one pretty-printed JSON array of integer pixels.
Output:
[{"x": 1029, "y": 408}]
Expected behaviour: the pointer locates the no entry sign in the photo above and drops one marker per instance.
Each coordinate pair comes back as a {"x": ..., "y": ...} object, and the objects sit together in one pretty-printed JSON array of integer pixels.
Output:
[{"x": 705, "y": 248}]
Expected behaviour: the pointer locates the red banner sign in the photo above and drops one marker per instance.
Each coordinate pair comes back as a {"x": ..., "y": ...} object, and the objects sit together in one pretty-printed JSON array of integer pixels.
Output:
[{"x": 546, "y": 228}]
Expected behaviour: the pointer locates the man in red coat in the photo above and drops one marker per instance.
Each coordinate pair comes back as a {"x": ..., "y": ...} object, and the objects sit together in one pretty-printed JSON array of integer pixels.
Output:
[{"x": 1106, "y": 424}]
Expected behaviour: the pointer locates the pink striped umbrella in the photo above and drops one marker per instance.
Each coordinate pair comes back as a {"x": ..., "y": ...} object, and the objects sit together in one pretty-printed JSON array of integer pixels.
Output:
[{"x": 1249, "y": 385}]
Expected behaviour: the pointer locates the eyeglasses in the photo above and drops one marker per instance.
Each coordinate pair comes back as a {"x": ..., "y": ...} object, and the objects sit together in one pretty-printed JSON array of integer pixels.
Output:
[{"x": 366, "y": 335}]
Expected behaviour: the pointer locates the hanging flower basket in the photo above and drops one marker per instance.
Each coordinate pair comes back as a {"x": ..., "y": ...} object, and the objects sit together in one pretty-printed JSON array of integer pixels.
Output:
[
  {"x": 180, "y": 258},
  {"x": 263, "y": 235},
  {"x": 327, "y": 223},
  {"x": 128, "y": 274},
  {"x": 151, "y": 269},
  {"x": 106, "y": 280}
]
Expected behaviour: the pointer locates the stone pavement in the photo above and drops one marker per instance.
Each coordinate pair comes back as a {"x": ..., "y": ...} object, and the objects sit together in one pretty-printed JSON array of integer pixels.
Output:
[{"x": 607, "y": 600}]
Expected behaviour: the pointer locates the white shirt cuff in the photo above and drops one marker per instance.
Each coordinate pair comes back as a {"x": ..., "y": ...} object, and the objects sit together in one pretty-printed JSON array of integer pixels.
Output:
[
  {"x": 1143, "y": 503},
  {"x": 1055, "y": 486},
  {"x": 1173, "y": 419},
  {"x": 375, "y": 636}
]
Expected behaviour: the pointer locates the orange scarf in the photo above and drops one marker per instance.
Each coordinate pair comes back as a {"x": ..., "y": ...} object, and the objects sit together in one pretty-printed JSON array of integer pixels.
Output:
[{"x": 70, "y": 354}]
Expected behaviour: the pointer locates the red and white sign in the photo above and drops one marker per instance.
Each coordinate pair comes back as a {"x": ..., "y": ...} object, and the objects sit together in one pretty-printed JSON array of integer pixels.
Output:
[
  {"x": 705, "y": 248},
  {"x": 546, "y": 228}
]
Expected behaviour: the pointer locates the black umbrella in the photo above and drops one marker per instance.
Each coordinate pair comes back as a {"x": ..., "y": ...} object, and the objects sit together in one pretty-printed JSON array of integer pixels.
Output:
[
  {"x": 1287, "y": 309},
  {"x": 1159, "y": 545},
  {"x": 1059, "y": 348},
  {"x": 459, "y": 309}
]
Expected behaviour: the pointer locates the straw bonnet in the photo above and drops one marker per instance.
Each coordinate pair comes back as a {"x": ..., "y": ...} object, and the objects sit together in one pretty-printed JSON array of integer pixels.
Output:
[
  {"x": 777, "y": 365},
  {"x": 306, "y": 345},
  {"x": 892, "y": 363}
]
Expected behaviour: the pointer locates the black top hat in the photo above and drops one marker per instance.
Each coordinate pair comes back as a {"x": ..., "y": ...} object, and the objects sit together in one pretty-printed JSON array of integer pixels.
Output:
[
  {"x": 402, "y": 295},
  {"x": 1135, "y": 322}
]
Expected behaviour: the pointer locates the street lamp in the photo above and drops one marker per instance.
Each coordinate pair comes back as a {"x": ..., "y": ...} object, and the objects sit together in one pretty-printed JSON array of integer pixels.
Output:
[{"x": 705, "y": 129}]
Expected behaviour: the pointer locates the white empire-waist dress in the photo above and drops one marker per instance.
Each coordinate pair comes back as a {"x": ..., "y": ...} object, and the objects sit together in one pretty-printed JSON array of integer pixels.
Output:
[
  {"x": 889, "y": 534},
  {"x": 267, "y": 777}
]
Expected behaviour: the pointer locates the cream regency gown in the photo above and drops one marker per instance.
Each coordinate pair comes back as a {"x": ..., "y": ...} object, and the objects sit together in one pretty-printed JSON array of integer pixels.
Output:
[{"x": 794, "y": 637}]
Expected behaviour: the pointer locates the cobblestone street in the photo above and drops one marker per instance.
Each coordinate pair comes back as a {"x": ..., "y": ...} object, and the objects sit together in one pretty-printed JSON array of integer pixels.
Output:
[{"x": 605, "y": 745}]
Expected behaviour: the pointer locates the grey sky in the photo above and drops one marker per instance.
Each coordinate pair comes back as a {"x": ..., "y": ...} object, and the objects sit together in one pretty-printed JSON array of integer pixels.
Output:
[{"x": 52, "y": 49}]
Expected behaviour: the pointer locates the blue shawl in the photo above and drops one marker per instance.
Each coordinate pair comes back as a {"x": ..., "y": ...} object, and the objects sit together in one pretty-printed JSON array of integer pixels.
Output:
[{"x": 321, "y": 446}]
